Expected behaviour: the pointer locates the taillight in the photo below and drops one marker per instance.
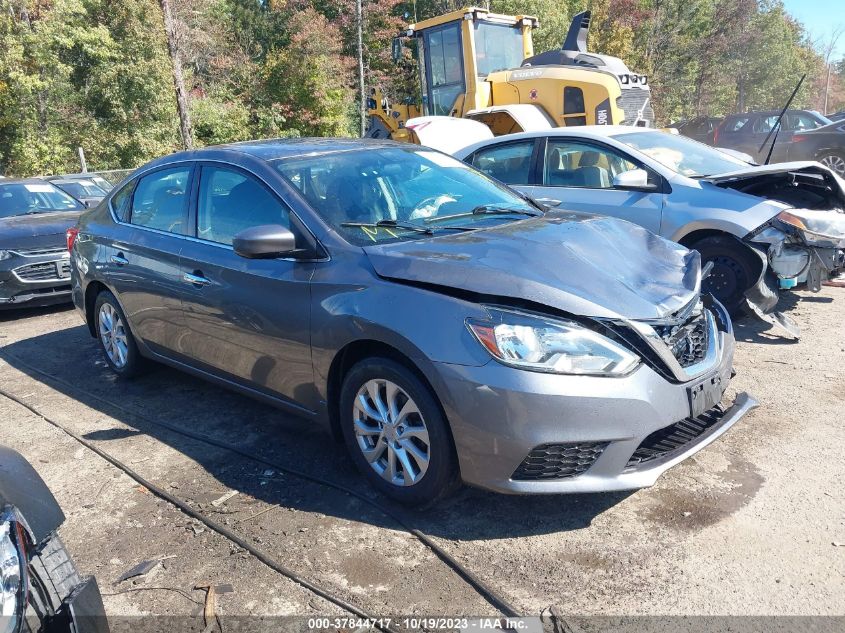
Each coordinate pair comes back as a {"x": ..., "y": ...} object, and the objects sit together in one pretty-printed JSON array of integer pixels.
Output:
[
  {"x": 71, "y": 237},
  {"x": 797, "y": 138},
  {"x": 716, "y": 137}
]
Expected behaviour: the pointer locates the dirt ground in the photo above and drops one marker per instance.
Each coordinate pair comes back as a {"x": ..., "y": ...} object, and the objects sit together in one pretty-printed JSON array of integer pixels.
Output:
[{"x": 752, "y": 525}]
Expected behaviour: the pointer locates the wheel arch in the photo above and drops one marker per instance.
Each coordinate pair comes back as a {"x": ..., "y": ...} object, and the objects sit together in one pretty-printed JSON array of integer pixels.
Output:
[
  {"x": 356, "y": 351},
  {"x": 92, "y": 291}
]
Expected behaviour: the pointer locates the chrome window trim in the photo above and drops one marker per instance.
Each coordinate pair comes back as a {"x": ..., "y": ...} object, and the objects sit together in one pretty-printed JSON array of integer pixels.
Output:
[{"x": 196, "y": 164}]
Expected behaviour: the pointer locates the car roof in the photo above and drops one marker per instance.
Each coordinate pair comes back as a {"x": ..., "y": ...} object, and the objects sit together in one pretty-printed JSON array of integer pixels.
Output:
[
  {"x": 24, "y": 181},
  {"x": 274, "y": 149}
]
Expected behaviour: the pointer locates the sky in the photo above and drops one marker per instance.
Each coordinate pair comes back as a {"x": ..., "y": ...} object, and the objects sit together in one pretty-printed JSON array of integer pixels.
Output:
[{"x": 820, "y": 17}]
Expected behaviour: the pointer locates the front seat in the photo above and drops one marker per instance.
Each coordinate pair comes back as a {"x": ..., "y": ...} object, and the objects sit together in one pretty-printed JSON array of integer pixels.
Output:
[{"x": 590, "y": 173}]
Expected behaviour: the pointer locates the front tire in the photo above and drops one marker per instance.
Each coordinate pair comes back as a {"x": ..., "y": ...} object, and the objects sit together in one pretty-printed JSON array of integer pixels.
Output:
[
  {"x": 116, "y": 341},
  {"x": 733, "y": 271},
  {"x": 396, "y": 433}
]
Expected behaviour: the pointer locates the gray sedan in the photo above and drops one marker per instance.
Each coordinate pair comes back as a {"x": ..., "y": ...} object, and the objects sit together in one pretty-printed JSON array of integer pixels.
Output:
[{"x": 440, "y": 324}]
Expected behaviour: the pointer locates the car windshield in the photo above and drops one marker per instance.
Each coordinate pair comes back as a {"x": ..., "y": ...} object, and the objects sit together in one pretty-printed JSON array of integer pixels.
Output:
[
  {"x": 389, "y": 194},
  {"x": 23, "y": 198},
  {"x": 82, "y": 189},
  {"x": 681, "y": 154}
]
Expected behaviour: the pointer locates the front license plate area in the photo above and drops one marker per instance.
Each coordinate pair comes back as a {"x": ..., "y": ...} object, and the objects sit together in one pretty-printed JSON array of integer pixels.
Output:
[{"x": 705, "y": 395}]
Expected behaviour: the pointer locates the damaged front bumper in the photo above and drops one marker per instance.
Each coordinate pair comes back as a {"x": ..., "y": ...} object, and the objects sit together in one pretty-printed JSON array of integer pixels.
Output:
[{"x": 787, "y": 260}]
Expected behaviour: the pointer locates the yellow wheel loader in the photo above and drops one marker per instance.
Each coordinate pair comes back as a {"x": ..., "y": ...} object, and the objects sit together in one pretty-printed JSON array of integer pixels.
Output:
[{"x": 480, "y": 65}]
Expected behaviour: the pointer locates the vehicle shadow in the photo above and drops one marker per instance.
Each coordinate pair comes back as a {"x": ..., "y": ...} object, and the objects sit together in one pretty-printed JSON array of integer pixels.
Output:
[
  {"x": 13, "y": 314},
  {"x": 166, "y": 395}
]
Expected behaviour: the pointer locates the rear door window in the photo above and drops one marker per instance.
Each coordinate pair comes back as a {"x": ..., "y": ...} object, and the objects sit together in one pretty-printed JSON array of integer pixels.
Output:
[
  {"x": 160, "y": 200},
  {"x": 231, "y": 201},
  {"x": 509, "y": 163}
]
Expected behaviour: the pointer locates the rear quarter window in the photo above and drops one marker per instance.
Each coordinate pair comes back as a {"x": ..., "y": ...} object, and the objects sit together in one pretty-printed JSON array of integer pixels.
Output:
[{"x": 120, "y": 202}]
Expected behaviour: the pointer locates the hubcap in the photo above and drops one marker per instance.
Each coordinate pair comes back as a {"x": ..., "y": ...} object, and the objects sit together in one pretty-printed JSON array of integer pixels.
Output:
[
  {"x": 113, "y": 335},
  {"x": 391, "y": 432},
  {"x": 836, "y": 163}
]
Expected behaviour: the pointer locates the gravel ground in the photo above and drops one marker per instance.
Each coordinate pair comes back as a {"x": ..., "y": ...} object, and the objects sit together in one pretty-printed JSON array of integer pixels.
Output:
[{"x": 749, "y": 526}]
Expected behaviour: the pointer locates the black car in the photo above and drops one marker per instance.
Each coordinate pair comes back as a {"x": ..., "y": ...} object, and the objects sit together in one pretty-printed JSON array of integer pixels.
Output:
[
  {"x": 40, "y": 587},
  {"x": 34, "y": 264},
  {"x": 700, "y": 128},
  {"x": 837, "y": 116},
  {"x": 83, "y": 190},
  {"x": 98, "y": 180},
  {"x": 804, "y": 135}
]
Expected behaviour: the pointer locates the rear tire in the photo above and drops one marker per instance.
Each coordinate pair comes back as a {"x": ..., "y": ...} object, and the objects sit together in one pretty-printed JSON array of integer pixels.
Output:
[
  {"x": 835, "y": 161},
  {"x": 119, "y": 348},
  {"x": 733, "y": 271},
  {"x": 410, "y": 457}
]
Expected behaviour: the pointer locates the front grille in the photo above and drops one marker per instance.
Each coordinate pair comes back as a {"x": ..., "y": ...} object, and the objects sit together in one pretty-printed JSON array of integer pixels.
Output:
[
  {"x": 45, "y": 271},
  {"x": 558, "y": 461},
  {"x": 636, "y": 104},
  {"x": 688, "y": 342},
  {"x": 673, "y": 438}
]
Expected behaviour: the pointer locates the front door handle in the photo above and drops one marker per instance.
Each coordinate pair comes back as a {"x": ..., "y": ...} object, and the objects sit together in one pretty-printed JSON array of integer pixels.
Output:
[
  {"x": 119, "y": 260},
  {"x": 196, "y": 279}
]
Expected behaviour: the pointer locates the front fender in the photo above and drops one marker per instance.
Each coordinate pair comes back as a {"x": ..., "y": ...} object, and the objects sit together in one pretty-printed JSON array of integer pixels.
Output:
[{"x": 23, "y": 488}]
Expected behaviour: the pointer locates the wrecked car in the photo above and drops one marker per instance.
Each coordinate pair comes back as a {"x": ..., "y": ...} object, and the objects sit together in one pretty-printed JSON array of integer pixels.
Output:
[
  {"x": 445, "y": 328},
  {"x": 40, "y": 587},
  {"x": 764, "y": 228}
]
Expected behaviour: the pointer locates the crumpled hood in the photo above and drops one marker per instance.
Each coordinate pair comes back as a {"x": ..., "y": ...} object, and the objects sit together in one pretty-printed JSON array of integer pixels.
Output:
[
  {"x": 583, "y": 264},
  {"x": 37, "y": 230}
]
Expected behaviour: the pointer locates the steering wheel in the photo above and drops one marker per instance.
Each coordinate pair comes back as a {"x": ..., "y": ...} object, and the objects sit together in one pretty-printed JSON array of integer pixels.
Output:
[{"x": 428, "y": 207}]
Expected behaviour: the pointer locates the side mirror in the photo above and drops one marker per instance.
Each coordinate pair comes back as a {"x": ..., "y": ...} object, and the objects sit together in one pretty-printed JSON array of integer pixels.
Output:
[
  {"x": 634, "y": 179},
  {"x": 90, "y": 204},
  {"x": 265, "y": 241},
  {"x": 396, "y": 49}
]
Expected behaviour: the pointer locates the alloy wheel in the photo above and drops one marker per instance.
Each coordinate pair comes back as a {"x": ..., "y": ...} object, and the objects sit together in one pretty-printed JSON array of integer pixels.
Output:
[
  {"x": 391, "y": 432},
  {"x": 834, "y": 163},
  {"x": 113, "y": 335}
]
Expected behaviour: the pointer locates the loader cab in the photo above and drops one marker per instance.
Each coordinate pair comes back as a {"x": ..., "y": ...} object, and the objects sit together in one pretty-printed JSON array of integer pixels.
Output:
[{"x": 457, "y": 52}]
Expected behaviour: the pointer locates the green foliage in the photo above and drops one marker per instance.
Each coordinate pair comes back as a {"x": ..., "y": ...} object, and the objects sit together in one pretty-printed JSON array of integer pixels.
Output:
[{"x": 96, "y": 73}]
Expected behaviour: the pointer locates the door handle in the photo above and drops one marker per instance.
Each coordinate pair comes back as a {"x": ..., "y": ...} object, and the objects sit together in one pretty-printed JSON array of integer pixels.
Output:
[
  {"x": 196, "y": 279},
  {"x": 119, "y": 260}
]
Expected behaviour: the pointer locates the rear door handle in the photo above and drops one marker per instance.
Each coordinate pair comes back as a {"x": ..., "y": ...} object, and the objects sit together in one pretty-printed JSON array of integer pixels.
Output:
[
  {"x": 119, "y": 260},
  {"x": 196, "y": 279}
]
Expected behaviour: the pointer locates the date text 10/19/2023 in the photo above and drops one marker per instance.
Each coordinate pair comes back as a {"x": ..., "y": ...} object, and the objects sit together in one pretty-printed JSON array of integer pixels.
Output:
[{"x": 429, "y": 623}]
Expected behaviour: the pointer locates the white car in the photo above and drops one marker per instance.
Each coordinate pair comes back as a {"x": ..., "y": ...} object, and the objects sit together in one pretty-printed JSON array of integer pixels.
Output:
[{"x": 764, "y": 228}]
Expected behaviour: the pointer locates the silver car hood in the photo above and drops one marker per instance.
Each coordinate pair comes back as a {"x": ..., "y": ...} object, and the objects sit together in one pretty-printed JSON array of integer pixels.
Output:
[{"x": 582, "y": 264}]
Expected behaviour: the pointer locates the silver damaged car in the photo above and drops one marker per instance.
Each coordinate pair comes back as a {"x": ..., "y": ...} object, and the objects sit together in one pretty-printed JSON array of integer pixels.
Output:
[
  {"x": 445, "y": 328},
  {"x": 764, "y": 228}
]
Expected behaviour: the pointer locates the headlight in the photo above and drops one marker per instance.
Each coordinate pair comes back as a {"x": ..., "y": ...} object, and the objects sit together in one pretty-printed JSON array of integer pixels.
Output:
[
  {"x": 12, "y": 576},
  {"x": 5, "y": 255},
  {"x": 552, "y": 346},
  {"x": 817, "y": 227}
]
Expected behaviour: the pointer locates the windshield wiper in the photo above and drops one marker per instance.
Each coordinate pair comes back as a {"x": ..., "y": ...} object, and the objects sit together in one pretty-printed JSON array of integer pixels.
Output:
[
  {"x": 485, "y": 209},
  {"x": 392, "y": 224},
  {"x": 493, "y": 209}
]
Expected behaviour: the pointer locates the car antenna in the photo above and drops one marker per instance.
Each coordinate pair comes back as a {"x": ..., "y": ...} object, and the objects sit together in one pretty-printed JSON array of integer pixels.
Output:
[{"x": 776, "y": 127}]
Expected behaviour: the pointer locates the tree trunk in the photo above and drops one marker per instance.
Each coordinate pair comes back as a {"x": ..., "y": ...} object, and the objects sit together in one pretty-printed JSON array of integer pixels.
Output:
[
  {"x": 359, "y": 16},
  {"x": 178, "y": 80}
]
